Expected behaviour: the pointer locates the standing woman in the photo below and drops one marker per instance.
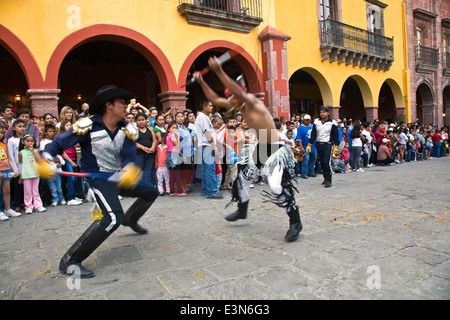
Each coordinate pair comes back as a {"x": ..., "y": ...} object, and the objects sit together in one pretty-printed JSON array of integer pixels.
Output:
[
  {"x": 357, "y": 139},
  {"x": 186, "y": 153},
  {"x": 66, "y": 114},
  {"x": 146, "y": 146},
  {"x": 159, "y": 127}
]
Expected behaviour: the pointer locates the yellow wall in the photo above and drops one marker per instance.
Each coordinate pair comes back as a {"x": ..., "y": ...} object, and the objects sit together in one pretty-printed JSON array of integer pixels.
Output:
[{"x": 43, "y": 24}]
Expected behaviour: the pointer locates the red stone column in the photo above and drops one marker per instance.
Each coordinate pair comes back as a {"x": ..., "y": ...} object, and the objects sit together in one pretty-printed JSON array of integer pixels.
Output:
[
  {"x": 400, "y": 114},
  {"x": 174, "y": 99},
  {"x": 275, "y": 71},
  {"x": 43, "y": 101},
  {"x": 334, "y": 112},
  {"x": 371, "y": 113}
]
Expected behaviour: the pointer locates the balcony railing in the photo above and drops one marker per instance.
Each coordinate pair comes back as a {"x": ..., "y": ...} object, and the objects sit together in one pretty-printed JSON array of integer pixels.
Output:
[
  {"x": 344, "y": 43},
  {"x": 427, "y": 56},
  {"x": 446, "y": 64},
  {"x": 234, "y": 15},
  {"x": 251, "y": 8}
]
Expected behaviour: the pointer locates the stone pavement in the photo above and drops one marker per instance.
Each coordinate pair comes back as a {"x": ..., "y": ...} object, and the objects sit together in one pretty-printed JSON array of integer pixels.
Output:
[{"x": 380, "y": 234}]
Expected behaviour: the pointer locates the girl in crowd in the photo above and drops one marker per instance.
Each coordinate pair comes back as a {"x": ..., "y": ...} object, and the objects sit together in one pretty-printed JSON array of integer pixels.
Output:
[
  {"x": 173, "y": 159},
  {"x": 18, "y": 130},
  {"x": 8, "y": 170},
  {"x": 28, "y": 156},
  {"x": 162, "y": 171}
]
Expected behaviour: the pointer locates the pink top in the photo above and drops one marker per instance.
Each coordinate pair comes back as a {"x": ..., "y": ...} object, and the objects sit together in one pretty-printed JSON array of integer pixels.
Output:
[
  {"x": 72, "y": 153},
  {"x": 346, "y": 153},
  {"x": 170, "y": 146},
  {"x": 162, "y": 155}
]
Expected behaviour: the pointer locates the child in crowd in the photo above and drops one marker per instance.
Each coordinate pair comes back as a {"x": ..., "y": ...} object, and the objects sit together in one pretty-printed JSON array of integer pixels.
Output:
[
  {"x": 13, "y": 144},
  {"x": 73, "y": 184},
  {"x": 8, "y": 169},
  {"x": 27, "y": 158},
  {"x": 345, "y": 157},
  {"x": 173, "y": 159},
  {"x": 162, "y": 171},
  {"x": 24, "y": 114},
  {"x": 54, "y": 184}
]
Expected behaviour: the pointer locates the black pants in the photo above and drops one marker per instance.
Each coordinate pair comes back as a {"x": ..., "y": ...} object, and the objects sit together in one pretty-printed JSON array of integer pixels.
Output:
[
  {"x": 107, "y": 196},
  {"x": 324, "y": 157}
]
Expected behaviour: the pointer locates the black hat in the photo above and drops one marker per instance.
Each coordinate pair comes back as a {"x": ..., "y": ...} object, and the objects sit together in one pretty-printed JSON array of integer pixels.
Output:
[
  {"x": 324, "y": 109},
  {"x": 105, "y": 94}
]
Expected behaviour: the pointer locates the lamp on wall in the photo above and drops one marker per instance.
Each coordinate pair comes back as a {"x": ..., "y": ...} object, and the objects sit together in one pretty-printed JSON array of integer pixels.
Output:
[
  {"x": 79, "y": 97},
  {"x": 17, "y": 99}
]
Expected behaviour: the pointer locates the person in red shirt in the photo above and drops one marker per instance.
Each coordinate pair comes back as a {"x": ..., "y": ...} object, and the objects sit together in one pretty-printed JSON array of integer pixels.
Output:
[{"x": 436, "y": 151}]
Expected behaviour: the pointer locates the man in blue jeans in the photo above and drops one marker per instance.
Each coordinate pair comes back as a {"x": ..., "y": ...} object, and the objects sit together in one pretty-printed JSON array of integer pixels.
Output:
[
  {"x": 309, "y": 158},
  {"x": 206, "y": 138}
]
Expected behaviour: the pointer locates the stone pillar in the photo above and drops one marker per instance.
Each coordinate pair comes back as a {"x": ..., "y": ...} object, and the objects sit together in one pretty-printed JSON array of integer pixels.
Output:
[
  {"x": 334, "y": 112},
  {"x": 371, "y": 113},
  {"x": 400, "y": 114},
  {"x": 275, "y": 71},
  {"x": 174, "y": 99},
  {"x": 43, "y": 101}
]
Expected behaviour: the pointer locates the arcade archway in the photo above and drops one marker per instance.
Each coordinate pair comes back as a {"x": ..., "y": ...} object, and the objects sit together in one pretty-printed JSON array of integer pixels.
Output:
[
  {"x": 425, "y": 108},
  {"x": 95, "y": 64},
  {"x": 241, "y": 64}
]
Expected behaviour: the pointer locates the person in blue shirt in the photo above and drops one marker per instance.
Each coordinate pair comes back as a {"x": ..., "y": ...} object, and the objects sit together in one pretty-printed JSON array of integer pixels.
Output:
[
  {"x": 309, "y": 158},
  {"x": 108, "y": 144}
]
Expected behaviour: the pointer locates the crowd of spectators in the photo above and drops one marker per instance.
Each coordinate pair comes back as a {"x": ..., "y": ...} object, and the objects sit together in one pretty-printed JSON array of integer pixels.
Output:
[{"x": 168, "y": 151}]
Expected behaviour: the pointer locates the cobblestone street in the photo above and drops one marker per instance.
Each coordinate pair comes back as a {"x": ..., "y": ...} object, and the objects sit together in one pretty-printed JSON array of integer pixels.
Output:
[{"x": 378, "y": 234}]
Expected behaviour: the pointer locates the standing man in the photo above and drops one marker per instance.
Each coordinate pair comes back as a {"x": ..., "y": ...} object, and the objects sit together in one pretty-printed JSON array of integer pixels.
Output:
[
  {"x": 207, "y": 151},
  {"x": 269, "y": 156},
  {"x": 324, "y": 134},
  {"x": 309, "y": 158},
  {"x": 108, "y": 145}
]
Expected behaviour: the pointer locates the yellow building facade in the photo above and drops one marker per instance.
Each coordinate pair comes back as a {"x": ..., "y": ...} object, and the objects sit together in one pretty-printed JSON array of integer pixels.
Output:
[{"x": 297, "y": 55}]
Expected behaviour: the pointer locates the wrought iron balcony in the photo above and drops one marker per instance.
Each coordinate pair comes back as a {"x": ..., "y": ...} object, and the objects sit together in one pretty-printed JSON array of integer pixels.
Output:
[
  {"x": 427, "y": 59},
  {"x": 234, "y": 15},
  {"x": 350, "y": 45},
  {"x": 446, "y": 63}
]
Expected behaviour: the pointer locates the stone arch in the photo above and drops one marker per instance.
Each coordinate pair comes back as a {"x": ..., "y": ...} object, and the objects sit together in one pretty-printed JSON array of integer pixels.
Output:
[
  {"x": 245, "y": 61},
  {"x": 129, "y": 37},
  {"x": 23, "y": 56},
  {"x": 425, "y": 103}
]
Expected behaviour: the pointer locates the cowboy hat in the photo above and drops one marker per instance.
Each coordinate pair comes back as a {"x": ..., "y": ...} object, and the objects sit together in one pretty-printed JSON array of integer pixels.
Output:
[{"x": 105, "y": 94}]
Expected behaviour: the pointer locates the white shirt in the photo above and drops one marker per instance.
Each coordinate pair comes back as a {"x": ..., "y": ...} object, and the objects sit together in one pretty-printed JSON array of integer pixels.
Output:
[
  {"x": 203, "y": 124},
  {"x": 367, "y": 135}
]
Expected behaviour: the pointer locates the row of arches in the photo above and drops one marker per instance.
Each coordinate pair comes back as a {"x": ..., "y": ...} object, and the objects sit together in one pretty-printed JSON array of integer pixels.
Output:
[
  {"x": 140, "y": 44},
  {"x": 96, "y": 55}
]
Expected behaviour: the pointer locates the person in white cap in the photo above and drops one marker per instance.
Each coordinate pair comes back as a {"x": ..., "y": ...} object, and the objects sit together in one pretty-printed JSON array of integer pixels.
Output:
[
  {"x": 384, "y": 155},
  {"x": 309, "y": 158}
]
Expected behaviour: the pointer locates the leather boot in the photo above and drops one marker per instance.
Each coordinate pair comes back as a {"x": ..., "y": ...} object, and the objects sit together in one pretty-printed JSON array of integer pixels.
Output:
[
  {"x": 295, "y": 224},
  {"x": 328, "y": 183},
  {"x": 90, "y": 240},
  {"x": 134, "y": 213},
  {"x": 240, "y": 213}
]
